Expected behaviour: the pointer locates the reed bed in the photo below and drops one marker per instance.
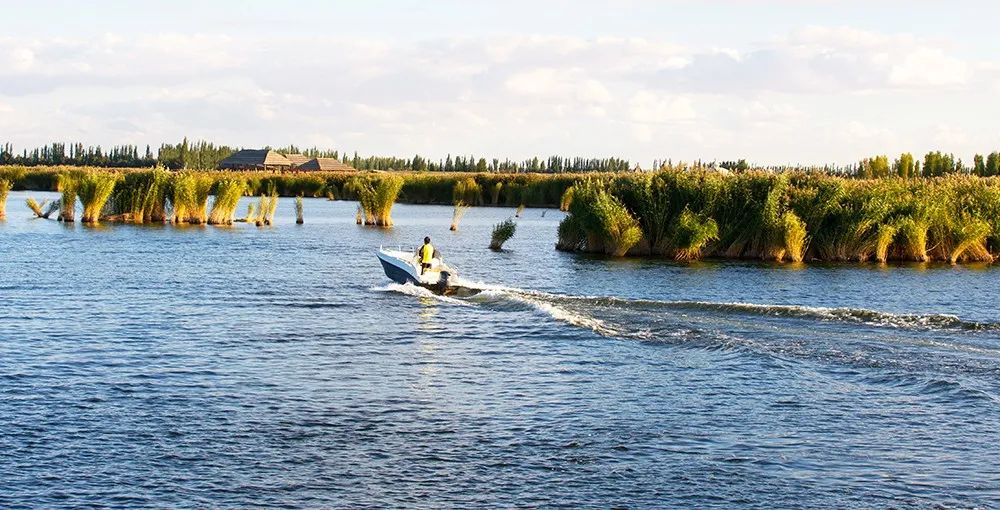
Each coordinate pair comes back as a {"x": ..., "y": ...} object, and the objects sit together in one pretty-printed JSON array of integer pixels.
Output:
[
  {"x": 227, "y": 198},
  {"x": 498, "y": 189},
  {"x": 5, "y": 187},
  {"x": 785, "y": 217},
  {"x": 502, "y": 232},
  {"x": 676, "y": 213}
]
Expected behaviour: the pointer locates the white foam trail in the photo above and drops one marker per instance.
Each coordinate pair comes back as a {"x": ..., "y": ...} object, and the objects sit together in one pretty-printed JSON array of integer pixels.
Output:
[
  {"x": 559, "y": 313},
  {"x": 520, "y": 295},
  {"x": 415, "y": 290}
]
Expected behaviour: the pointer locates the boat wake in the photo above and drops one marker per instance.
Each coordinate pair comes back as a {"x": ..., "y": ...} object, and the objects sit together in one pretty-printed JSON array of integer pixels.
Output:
[
  {"x": 582, "y": 310},
  {"x": 905, "y": 348}
]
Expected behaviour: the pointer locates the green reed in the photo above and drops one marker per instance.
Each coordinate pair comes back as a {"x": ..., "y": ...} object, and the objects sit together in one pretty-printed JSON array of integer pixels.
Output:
[
  {"x": 67, "y": 183},
  {"x": 189, "y": 192},
  {"x": 792, "y": 217},
  {"x": 141, "y": 196},
  {"x": 94, "y": 190},
  {"x": 502, "y": 232},
  {"x": 376, "y": 196},
  {"x": 227, "y": 198}
]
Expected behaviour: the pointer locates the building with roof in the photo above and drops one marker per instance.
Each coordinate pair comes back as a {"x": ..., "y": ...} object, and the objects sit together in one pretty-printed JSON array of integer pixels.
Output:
[
  {"x": 325, "y": 165},
  {"x": 256, "y": 159},
  {"x": 297, "y": 159}
]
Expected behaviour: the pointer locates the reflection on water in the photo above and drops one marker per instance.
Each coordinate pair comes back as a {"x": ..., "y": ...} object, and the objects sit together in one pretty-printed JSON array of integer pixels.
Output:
[{"x": 244, "y": 367}]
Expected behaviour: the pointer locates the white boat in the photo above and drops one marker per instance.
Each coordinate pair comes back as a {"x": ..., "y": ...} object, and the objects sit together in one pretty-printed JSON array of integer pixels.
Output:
[{"x": 402, "y": 266}]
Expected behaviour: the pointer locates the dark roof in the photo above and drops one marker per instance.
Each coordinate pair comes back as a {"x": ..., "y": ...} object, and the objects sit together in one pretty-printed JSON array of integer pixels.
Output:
[
  {"x": 326, "y": 165},
  {"x": 255, "y": 158}
]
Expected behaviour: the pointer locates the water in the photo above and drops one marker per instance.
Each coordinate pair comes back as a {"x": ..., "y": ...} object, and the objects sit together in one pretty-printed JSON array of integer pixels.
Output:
[{"x": 245, "y": 367}]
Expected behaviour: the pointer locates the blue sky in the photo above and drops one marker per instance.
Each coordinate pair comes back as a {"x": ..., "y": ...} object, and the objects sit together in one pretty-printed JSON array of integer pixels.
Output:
[{"x": 774, "y": 81}]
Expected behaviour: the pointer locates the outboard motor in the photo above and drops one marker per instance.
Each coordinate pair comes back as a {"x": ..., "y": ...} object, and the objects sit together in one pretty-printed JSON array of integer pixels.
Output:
[{"x": 444, "y": 283}]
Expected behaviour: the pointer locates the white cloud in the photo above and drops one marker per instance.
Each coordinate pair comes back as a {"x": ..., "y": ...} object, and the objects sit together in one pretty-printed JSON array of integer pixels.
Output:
[
  {"x": 928, "y": 67},
  {"x": 510, "y": 95},
  {"x": 654, "y": 108}
]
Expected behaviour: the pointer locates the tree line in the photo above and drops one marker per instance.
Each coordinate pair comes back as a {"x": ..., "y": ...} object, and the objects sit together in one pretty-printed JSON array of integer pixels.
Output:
[
  {"x": 122, "y": 156},
  {"x": 203, "y": 155},
  {"x": 934, "y": 164}
]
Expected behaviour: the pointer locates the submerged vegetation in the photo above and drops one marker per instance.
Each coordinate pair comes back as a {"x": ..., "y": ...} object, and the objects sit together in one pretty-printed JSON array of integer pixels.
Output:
[
  {"x": 502, "y": 232},
  {"x": 689, "y": 215}
]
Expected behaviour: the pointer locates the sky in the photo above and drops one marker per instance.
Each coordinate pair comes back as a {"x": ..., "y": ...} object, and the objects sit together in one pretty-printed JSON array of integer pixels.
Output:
[{"x": 775, "y": 82}]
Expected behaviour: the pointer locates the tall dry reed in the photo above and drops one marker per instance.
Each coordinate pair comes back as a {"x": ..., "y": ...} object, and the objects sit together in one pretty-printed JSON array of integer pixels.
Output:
[{"x": 5, "y": 187}]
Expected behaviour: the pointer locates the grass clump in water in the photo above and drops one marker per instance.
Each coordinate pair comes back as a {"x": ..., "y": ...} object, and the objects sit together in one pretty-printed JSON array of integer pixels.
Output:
[
  {"x": 5, "y": 186},
  {"x": 971, "y": 235},
  {"x": 692, "y": 233},
  {"x": 502, "y": 232},
  {"x": 189, "y": 192},
  {"x": 377, "y": 196},
  {"x": 795, "y": 236},
  {"x": 272, "y": 207},
  {"x": 94, "y": 190},
  {"x": 67, "y": 184},
  {"x": 37, "y": 208},
  {"x": 141, "y": 197},
  {"x": 266, "y": 208},
  {"x": 601, "y": 220},
  {"x": 227, "y": 198},
  {"x": 456, "y": 217}
]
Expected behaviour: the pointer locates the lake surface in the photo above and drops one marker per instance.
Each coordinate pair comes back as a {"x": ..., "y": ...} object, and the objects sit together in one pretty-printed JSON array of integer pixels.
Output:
[{"x": 278, "y": 367}]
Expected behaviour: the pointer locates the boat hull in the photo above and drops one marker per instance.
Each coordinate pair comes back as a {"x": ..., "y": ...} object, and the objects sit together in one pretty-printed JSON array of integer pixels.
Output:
[
  {"x": 396, "y": 272},
  {"x": 401, "y": 268}
]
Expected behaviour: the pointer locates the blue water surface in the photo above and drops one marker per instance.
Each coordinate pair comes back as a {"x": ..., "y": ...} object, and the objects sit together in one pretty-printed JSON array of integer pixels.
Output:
[{"x": 246, "y": 367}]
